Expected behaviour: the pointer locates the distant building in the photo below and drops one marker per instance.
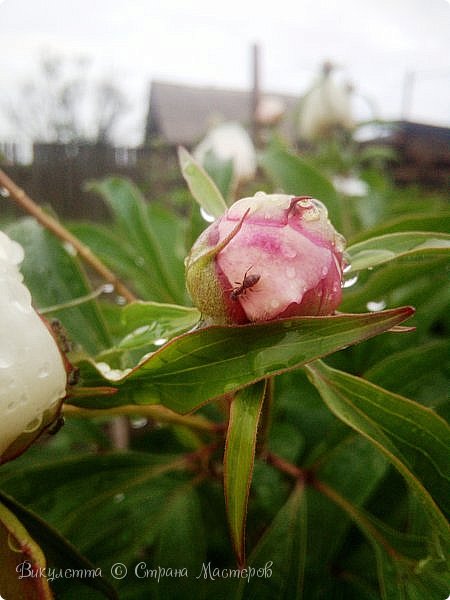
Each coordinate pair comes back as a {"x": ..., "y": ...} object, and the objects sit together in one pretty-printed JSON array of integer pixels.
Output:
[{"x": 181, "y": 114}]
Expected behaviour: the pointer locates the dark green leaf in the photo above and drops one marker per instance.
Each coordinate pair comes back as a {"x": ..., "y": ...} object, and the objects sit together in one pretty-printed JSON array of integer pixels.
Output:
[
  {"x": 141, "y": 228},
  {"x": 239, "y": 459},
  {"x": 413, "y": 438},
  {"x": 109, "y": 506},
  {"x": 54, "y": 277},
  {"x": 379, "y": 250},
  {"x": 280, "y": 555},
  {"x": 205, "y": 364},
  {"x": 59, "y": 551},
  {"x": 149, "y": 322},
  {"x": 18, "y": 554},
  {"x": 295, "y": 176}
]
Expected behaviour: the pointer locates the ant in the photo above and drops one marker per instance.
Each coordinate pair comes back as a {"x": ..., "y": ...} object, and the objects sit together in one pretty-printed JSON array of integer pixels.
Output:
[{"x": 246, "y": 284}]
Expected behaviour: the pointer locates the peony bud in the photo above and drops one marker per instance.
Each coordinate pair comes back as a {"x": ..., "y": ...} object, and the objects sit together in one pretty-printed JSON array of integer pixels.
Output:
[
  {"x": 267, "y": 257},
  {"x": 32, "y": 369}
]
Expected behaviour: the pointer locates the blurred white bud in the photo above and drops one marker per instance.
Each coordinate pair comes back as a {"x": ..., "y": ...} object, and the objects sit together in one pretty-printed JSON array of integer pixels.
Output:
[
  {"x": 230, "y": 141},
  {"x": 32, "y": 371},
  {"x": 326, "y": 107},
  {"x": 270, "y": 110},
  {"x": 350, "y": 186}
]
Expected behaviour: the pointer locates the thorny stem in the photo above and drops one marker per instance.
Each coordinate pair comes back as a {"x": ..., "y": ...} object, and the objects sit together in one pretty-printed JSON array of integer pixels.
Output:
[{"x": 18, "y": 195}]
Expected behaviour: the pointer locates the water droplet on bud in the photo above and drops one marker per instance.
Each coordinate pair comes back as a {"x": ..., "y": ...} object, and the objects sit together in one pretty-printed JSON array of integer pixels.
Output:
[
  {"x": 206, "y": 216},
  {"x": 375, "y": 306},
  {"x": 290, "y": 272},
  {"x": 33, "y": 425},
  {"x": 350, "y": 282},
  {"x": 44, "y": 371}
]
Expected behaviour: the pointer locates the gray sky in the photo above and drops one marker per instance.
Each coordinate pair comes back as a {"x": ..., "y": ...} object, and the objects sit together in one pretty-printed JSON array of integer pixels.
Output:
[{"x": 200, "y": 42}]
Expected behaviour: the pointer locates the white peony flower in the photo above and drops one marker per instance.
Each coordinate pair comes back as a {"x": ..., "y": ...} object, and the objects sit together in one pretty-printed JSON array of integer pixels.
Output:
[
  {"x": 325, "y": 107},
  {"x": 32, "y": 372},
  {"x": 230, "y": 141}
]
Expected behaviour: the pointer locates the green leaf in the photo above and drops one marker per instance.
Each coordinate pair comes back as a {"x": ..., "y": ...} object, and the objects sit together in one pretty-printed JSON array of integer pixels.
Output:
[
  {"x": 181, "y": 543},
  {"x": 379, "y": 250},
  {"x": 420, "y": 375},
  {"x": 19, "y": 553},
  {"x": 202, "y": 365},
  {"x": 54, "y": 276},
  {"x": 413, "y": 438},
  {"x": 109, "y": 506},
  {"x": 405, "y": 566},
  {"x": 140, "y": 225},
  {"x": 149, "y": 322},
  {"x": 280, "y": 555},
  {"x": 221, "y": 171},
  {"x": 297, "y": 177},
  {"x": 416, "y": 222},
  {"x": 239, "y": 458},
  {"x": 202, "y": 187},
  {"x": 58, "y": 550}
]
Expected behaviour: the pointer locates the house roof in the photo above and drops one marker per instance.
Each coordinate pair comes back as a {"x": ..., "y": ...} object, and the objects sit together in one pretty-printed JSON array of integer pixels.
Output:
[{"x": 181, "y": 114}]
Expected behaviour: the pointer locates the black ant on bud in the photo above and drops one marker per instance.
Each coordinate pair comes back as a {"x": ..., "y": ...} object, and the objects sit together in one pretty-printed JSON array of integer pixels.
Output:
[{"x": 247, "y": 283}]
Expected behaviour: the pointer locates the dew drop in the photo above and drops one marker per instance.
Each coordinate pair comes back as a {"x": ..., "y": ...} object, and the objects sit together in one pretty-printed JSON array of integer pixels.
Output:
[
  {"x": 5, "y": 362},
  {"x": 14, "y": 544},
  {"x": 324, "y": 272},
  {"x": 4, "y": 192},
  {"x": 206, "y": 216},
  {"x": 44, "y": 371},
  {"x": 70, "y": 248},
  {"x": 376, "y": 305},
  {"x": 23, "y": 398},
  {"x": 138, "y": 422},
  {"x": 312, "y": 214},
  {"x": 11, "y": 406},
  {"x": 348, "y": 283},
  {"x": 108, "y": 288},
  {"x": 289, "y": 252},
  {"x": 160, "y": 341},
  {"x": 120, "y": 300},
  {"x": 140, "y": 261},
  {"x": 120, "y": 497},
  {"x": 274, "y": 303},
  {"x": 33, "y": 425}
]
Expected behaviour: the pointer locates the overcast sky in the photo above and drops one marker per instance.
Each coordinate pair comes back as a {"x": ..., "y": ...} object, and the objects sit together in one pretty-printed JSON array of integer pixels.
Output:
[{"x": 376, "y": 42}]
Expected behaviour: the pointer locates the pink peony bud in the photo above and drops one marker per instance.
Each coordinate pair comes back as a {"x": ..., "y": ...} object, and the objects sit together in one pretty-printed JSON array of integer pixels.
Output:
[{"x": 267, "y": 257}]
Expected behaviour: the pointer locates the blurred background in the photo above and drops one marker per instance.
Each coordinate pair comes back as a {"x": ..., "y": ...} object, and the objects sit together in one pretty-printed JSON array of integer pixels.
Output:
[{"x": 90, "y": 88}]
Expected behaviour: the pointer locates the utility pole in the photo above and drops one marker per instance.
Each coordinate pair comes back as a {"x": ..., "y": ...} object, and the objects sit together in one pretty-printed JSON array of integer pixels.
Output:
[{"x": 255, "y": 95}]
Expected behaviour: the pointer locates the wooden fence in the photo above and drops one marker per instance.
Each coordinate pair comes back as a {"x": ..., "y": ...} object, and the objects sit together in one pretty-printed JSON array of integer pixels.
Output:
[{"x": 58, "y": 174}]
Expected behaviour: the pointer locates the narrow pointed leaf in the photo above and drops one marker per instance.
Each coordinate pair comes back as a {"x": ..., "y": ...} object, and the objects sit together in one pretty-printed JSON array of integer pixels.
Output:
[
  {"x": 141, "y": 226},
  {"x": 197, "y": 367},
  {"x": 19, "y": 554},
  {"x": 202, "y": 187},
  {"x": 239, "y": 460},
  {"x": 379, "y": 250},
  {"x": 281, "y": 553},
  {"x": 59, "y": 551},
  {"x": 414, "y": 438},
  {"x": 407, "y": 567}
]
